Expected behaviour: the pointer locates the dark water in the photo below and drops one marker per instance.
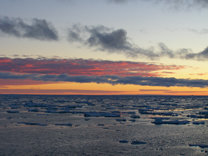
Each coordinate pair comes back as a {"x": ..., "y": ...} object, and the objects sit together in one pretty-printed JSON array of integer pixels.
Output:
[{"x": 103, "y": 125}]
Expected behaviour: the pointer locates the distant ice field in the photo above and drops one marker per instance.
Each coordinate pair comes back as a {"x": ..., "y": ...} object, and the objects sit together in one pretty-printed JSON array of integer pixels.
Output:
[{"x": 103, "y": 125}]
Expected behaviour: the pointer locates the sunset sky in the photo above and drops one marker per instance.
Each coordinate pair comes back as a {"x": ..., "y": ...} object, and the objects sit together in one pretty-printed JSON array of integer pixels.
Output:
[{"x": 104, "y": 47}]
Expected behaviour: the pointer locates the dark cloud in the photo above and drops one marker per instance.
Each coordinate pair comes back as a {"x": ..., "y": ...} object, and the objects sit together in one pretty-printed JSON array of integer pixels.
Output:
[
  {"x": 101, "y": 37},
  {"x": 98, "y": 37},
  {"x": 116, "y": 41},
  {"x": 197, "y": 56},
  {"x": 37, "y": 29},
  {"x": 107, "y": 39},
  {"x": 183, "y": 53},
  {"x": 4, "y": 75},
  {"x": 158, "y": 81},
  {"x": 135, "y": 80}
]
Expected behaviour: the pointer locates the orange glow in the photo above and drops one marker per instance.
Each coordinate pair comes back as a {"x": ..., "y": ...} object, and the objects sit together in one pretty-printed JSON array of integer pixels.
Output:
[{"x": 69, "y": 88}]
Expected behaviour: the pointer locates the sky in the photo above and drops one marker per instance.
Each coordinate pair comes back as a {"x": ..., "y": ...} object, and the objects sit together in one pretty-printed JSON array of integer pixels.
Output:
[{"x": 105, "y": 47}]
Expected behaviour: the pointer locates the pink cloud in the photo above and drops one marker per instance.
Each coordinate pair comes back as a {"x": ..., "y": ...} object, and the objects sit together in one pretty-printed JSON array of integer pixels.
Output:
[
  {"x": 5, "y": 82},
  {"x": 83, "y": 67}
]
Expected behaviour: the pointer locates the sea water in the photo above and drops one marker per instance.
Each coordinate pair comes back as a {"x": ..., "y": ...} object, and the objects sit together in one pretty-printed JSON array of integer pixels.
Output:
[{"x": 103, "y": 125}]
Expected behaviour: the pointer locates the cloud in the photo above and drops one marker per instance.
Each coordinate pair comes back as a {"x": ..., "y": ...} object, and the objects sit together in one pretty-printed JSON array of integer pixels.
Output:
[
  {"x": 116, "y": 41},
  {"x": 199, "y": 74},
  {"x": 107, "y": 39},
  {"x": 154, "y": 90},
  {"x": 37, "y": 29},
  {"x": 201, "y": 32},
  {"x": 114, "y": 80},
  {"x": 183, "y": 53},
  {"x": 172, "y": 92},
  {"x": 57, "y": 91},
  {"x": 119, "y": 1},
  {"x": 99, "y": 38},
  {"x": 185, "y": 3},
  {"x": 159, "y": 81},
  {"x": 187, "y": 92},
  {"x": 203, "y": 55},
  {"x": 179, "y": 4},
  {"x": 6, "y": 82},
  {"x": 83, "y": 67}
]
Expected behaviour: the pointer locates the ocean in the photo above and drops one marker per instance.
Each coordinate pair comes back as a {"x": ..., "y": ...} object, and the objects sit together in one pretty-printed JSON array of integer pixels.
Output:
[{"x": 103, "y": 125}]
